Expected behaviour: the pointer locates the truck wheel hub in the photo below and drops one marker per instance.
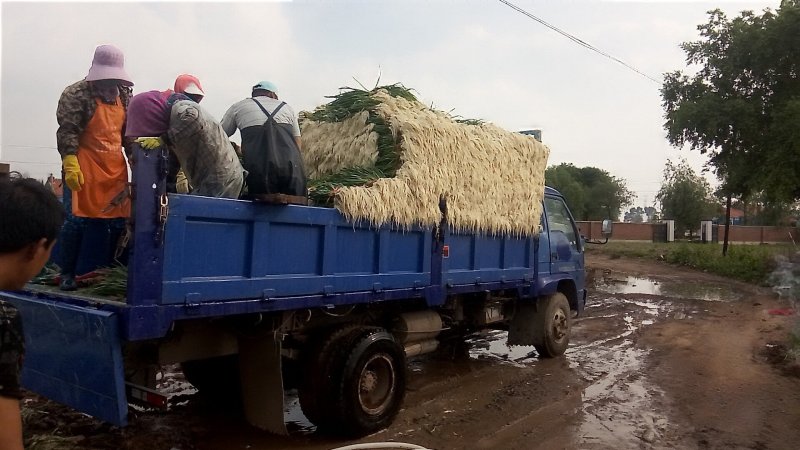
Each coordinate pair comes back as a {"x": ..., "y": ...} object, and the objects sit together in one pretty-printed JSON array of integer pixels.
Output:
[
  {"x": 560, "y": 325},
  {"x": 376, "y": 384}
]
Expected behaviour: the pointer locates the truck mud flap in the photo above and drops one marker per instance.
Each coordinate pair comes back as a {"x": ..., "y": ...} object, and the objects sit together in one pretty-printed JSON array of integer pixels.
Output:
[
  {"x": 73, "y": 356},
  {"x": 521, "y": 329}
]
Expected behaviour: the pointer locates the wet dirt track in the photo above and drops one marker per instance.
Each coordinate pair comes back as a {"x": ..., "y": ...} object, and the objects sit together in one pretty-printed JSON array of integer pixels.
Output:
[{"x": 662, "y": 358}]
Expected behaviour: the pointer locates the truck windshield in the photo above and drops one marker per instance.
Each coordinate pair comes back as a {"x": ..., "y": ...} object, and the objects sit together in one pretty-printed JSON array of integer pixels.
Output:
[{"x": 558, "y": 220}]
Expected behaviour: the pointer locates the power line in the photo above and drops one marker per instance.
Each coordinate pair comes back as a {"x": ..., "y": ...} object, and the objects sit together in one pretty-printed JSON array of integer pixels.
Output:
[
  {"x": 31, "y": 162},
  {"x": 577, "y": 40},
  {"x": 27, "y": 146}
]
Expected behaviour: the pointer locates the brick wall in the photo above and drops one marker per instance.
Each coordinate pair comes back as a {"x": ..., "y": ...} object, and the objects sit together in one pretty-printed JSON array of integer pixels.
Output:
[
  {"x": 740, "y": 233},
  {"x": 622, "y": 231},
  {"x": 644, "y": 232}
]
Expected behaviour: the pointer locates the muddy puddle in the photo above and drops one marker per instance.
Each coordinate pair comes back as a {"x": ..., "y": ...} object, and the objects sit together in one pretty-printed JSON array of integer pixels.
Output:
[
  {"x": 619, "y": 404},
  {"x": 611, "y": 284}
]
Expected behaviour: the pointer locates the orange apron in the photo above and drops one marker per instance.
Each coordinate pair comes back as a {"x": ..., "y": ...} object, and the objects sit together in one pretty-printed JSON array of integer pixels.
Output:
[{"x": 105, "y": 171}]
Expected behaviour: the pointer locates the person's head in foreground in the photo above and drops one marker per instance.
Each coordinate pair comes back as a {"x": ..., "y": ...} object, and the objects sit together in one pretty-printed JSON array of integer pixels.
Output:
[{"x": 30, "y": 220}]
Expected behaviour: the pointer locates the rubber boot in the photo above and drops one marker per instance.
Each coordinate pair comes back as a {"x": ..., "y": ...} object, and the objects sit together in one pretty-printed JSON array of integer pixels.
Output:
[{"x": 70, "y": 243}]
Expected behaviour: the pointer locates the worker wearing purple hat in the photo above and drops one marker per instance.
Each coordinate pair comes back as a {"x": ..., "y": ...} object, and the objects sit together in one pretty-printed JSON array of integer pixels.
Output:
[{"x": 90, "y": 137}]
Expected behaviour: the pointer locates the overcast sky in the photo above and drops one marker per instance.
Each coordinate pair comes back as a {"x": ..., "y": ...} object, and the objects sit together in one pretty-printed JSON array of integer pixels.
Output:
[{"x": 479, "y": 58}]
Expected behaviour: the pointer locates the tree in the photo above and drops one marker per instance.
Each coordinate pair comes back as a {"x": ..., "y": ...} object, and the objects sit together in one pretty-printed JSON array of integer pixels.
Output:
[
  {"x": 591, "y": 193},
  {"x": 759, "y": 210},
  {"x": 563, "y": 179},
  {"x": 652, "y": 214},
  {"x": 635, "y": 215},
  {"x": 685, "y": 197},
  {"x": 742, "y": 106}
]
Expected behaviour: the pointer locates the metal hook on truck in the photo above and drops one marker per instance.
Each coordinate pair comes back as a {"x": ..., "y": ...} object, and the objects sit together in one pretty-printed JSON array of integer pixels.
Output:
[{"x": 239, "y": 292}]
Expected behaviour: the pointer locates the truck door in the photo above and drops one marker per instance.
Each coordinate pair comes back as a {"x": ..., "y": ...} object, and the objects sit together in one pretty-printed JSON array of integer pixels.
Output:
[{"x": 566, "y": 248}]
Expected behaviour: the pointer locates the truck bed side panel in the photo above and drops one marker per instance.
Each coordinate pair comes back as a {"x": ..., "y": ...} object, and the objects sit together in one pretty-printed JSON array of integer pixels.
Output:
[
  {"x": 218, "y": 250},
  {"x": 478, "y": 259},
  {"x": 73, "y": 356}
]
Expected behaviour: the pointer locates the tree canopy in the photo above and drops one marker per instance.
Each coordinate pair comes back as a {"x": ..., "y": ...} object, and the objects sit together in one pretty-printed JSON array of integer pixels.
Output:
[
  {"x": 742, "y": 106},
  {"x": 639, "y": 214},
  {"x": 591, "y": 193},
  {"x": 685, "y": 197}
]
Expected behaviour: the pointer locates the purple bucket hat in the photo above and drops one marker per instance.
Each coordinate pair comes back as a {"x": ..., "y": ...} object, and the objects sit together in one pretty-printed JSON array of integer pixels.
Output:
[{"x": 108, "y": 64}]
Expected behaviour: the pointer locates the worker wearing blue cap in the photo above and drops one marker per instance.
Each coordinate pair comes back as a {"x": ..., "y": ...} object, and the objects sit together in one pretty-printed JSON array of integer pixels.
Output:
[{"x": 270, "y": 142}]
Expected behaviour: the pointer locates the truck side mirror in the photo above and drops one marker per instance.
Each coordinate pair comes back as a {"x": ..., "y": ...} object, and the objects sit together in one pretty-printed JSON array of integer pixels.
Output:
[{"x": 607, "y": 227}]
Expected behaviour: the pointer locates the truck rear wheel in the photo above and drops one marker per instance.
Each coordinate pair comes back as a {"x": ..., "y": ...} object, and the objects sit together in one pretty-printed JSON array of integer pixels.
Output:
[
  {"x": 552, "y": 323},
  {"x": 372, "y": 383},
  {"x": 320, "y": 374}
]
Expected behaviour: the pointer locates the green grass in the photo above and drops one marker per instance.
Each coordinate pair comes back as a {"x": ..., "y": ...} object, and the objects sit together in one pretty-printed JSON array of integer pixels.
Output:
[{"x": 750, "y": 263}]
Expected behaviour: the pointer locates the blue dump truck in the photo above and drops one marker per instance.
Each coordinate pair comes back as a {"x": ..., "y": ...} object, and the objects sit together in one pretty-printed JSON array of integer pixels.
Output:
[{"x": 251, "y": 297}]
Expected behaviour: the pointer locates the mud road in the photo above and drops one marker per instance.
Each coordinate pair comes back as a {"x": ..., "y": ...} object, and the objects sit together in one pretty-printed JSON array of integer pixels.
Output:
[{"x": 663, "y": 357}]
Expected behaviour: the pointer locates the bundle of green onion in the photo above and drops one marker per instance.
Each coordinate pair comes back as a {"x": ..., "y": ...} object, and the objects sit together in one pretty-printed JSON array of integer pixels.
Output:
[
  {"x": 346, "y": 105},
  {"x": 112, "y": 282}
]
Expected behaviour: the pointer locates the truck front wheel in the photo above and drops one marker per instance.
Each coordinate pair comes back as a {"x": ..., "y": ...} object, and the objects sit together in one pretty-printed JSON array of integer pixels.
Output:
[{"x": 552, "y": 323}]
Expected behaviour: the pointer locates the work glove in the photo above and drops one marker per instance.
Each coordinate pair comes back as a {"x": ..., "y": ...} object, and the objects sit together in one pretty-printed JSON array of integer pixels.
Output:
[
  {"x": 150, "y": 143},
  {"x": 72, "y": 172},
  {"x": 182, "y": 183}
]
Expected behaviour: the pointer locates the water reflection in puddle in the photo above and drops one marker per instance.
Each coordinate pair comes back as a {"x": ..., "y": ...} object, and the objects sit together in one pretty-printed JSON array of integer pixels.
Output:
[
  {"x": 492, "y": 345},
  {"x": 179, "y": 392},
  {"x": 296, "y": 422},
  {"x": 678, "y": 289},
  {"x": 618, "y": 403}
]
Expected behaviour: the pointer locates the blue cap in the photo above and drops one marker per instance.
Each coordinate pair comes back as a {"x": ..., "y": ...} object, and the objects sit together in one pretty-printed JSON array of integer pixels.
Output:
[{"x": 267, "y": 86}]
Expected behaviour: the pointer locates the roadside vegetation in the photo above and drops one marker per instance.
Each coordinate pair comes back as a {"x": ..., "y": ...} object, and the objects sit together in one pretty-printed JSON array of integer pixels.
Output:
[
  {"x": 750, "y": 263},
  {"x": 756, "y": 264}
]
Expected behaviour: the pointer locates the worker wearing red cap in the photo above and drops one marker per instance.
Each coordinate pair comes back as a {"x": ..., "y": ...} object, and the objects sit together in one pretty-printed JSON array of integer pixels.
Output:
[
  {"x": 148, "y": 116},
  {"x": 197, "y": 144}
]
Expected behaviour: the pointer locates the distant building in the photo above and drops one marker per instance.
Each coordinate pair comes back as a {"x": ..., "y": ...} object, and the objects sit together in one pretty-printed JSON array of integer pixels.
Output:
[
  {"x": 56, "y": 185},
  {"x": 537, "y": 134},
  {"x": 737, "y": 217}
]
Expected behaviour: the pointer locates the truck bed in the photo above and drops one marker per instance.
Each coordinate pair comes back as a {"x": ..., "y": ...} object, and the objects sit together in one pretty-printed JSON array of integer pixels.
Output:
[{"x": 81, "y": 296}]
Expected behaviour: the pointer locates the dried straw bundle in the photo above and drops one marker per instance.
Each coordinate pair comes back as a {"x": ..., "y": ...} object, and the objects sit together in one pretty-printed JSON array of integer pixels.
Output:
[
  {"x": 492, "y": 179},
  {"x": 330, "y": 146}
]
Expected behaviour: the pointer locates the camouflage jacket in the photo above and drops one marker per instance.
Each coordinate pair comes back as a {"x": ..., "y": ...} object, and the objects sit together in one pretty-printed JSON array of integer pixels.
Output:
[
  {"x": 75, "y": 109},
  {"x": 12, "y": 349}
]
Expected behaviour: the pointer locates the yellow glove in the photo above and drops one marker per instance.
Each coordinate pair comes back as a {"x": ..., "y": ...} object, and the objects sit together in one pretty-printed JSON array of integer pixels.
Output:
[
  {"x": 72, "y": 172},
  {"x": 150, "y": 143}
]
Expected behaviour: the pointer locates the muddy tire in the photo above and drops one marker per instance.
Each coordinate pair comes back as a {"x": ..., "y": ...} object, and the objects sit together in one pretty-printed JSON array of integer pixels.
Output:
[
  {"x": 372, "y": 384},
  {"x": 216, "y": 378},
  {"x": 321, "y": 373},
  {"x": 552, "y": 323}
]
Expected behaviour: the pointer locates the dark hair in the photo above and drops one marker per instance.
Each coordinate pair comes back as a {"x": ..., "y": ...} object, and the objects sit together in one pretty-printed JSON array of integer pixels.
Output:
[
  {"x": 28, "y": 212},
  {"x": 263, "y": 91}
]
